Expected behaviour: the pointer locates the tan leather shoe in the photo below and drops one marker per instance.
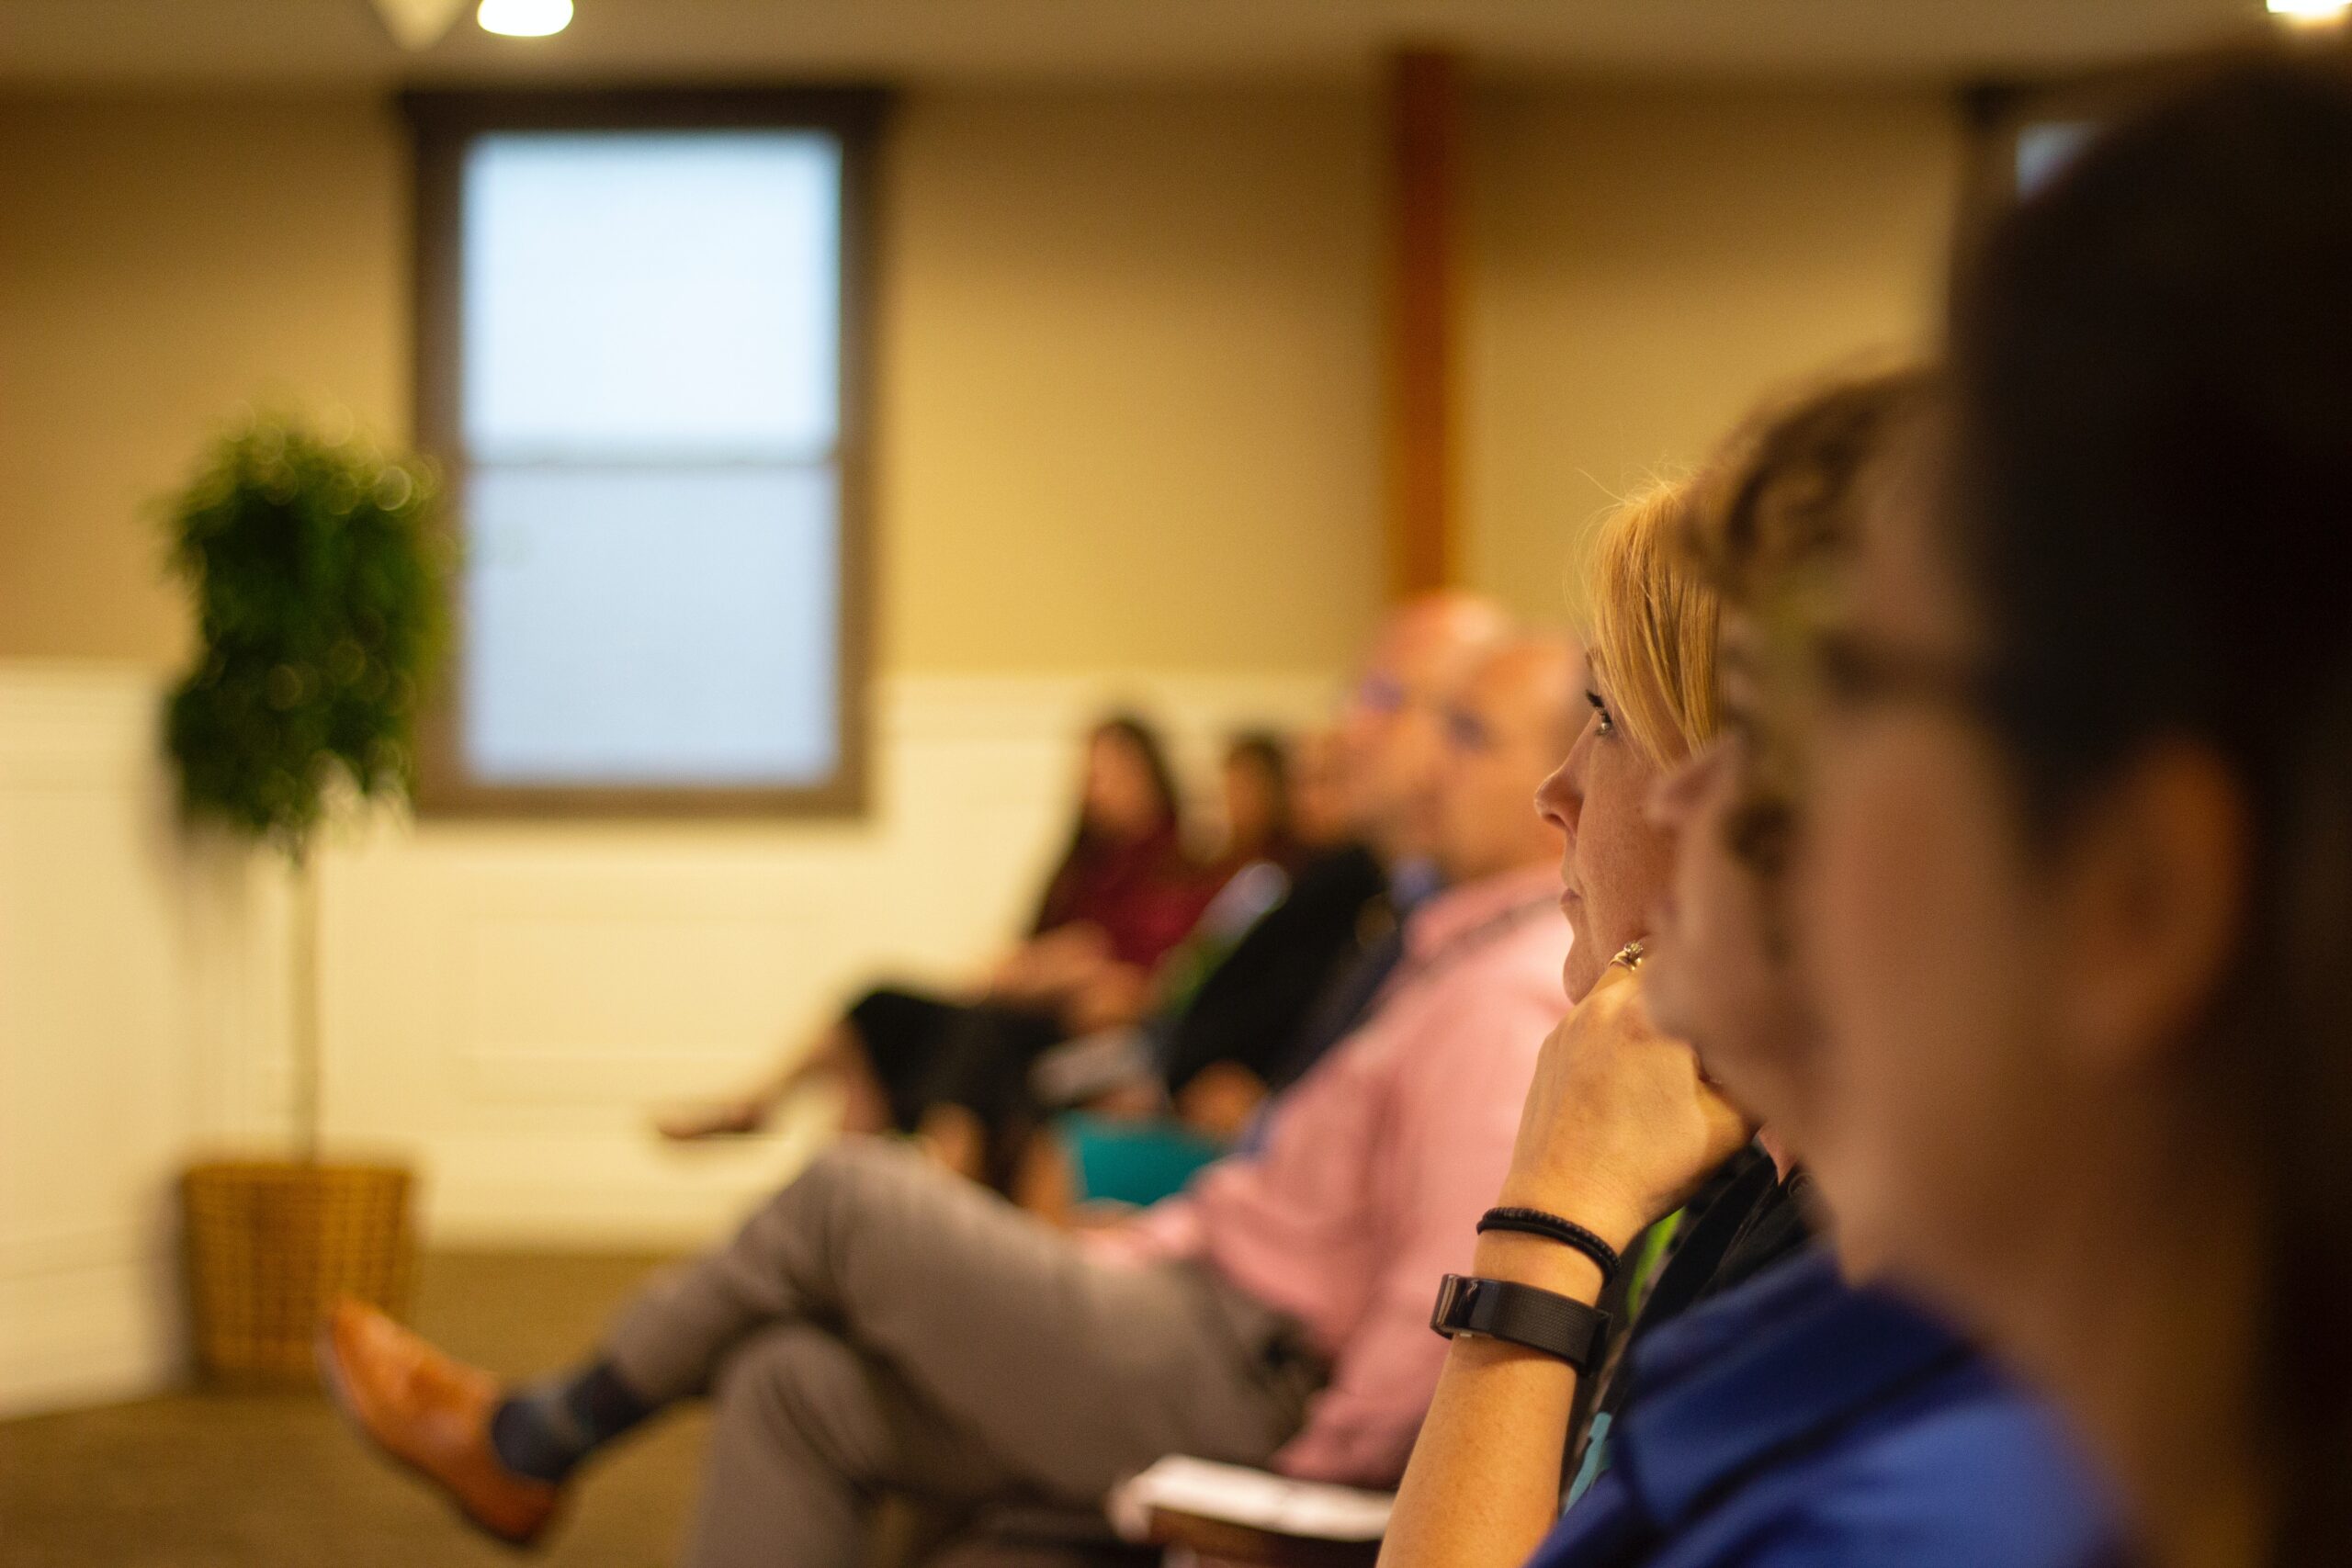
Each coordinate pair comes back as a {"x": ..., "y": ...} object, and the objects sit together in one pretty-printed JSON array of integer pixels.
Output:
[{"x": 432, "y": 1413}]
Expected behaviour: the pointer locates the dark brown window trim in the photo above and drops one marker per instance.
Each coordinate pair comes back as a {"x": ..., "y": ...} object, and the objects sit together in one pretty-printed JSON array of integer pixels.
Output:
[{"x": 442, "y": 123}]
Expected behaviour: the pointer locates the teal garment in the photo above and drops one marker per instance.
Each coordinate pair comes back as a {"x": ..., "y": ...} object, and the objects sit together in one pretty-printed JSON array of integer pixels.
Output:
[
  {"x": 1596, "y": 1448},
  {"x": 1116, "y": 1161}
]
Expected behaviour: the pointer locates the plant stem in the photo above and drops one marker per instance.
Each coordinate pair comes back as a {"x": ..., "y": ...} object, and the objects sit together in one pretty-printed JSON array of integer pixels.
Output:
[{"x": 306, "y": 1085}]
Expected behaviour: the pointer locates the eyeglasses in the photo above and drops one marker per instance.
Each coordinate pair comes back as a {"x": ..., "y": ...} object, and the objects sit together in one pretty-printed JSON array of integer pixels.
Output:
[
  {"x": 1854, "y": 673},
  {"x": 1380, "y": 693},
  {"x": 1387, "y": 696},
  {"x": 1466, "y": 731}
]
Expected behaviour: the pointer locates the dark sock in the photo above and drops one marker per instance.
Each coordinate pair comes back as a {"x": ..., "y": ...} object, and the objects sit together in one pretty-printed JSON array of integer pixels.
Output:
[{"x": 544, "y": 1432}]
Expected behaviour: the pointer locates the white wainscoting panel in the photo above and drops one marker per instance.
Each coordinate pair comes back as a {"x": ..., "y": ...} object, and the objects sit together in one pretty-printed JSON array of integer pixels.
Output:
[{"x": 96, "y": 1071}]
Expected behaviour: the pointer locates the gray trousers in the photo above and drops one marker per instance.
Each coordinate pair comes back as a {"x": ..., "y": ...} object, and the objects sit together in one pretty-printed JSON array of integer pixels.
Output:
[{"x": 881, "y": 1325}]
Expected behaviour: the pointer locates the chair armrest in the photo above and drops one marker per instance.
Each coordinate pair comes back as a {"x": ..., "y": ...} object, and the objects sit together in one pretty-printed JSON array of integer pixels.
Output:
[
  {"x": 1238, "y": 1514},
  {"x": 1232, "y": 1543}
]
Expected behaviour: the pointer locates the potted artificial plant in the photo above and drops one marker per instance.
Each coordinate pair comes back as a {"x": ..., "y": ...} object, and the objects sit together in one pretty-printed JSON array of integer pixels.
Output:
[{"x": 318, "y": 597}]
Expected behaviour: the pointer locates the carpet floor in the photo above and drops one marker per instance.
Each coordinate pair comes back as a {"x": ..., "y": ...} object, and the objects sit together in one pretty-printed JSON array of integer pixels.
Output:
[{"x": 205, "y": 1480}]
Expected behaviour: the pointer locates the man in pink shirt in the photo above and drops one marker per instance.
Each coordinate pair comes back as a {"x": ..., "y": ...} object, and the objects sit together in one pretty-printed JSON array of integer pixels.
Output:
[{"x": 882, "y": 1325}]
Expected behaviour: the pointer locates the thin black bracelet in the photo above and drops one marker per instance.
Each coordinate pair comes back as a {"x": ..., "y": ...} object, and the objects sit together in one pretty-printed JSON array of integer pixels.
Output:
[{"x": 1568, "y": 1233}]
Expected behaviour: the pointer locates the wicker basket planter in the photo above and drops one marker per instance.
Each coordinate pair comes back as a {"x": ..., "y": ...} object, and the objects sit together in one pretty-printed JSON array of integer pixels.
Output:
[{"x": 272, "y": 1244}]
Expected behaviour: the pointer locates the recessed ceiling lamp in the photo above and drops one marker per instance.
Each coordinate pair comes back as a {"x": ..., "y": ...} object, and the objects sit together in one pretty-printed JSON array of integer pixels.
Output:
[
  {"x": 534, "y": 18},
  {"x": 2309, "y": 13}
]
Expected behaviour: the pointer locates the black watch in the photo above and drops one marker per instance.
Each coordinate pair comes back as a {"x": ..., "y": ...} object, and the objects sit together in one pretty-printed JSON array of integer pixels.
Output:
[{"x": 1500, "y": 1309}]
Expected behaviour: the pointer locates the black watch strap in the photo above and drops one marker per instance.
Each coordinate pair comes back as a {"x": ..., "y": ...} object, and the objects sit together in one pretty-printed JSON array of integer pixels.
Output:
[{"x": 1522, "y": 1314}]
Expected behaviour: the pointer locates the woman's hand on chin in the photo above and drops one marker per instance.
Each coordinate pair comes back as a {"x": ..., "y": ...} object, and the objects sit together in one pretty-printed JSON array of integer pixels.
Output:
[{"x": 1619, "y": 1123}]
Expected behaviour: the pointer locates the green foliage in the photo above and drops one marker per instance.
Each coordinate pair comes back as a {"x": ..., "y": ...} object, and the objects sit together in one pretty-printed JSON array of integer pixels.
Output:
[{"x": 318, "y": 575}]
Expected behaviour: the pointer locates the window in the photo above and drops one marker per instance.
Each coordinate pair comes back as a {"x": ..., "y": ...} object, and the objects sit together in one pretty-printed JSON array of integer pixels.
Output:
[
  {"x": 2024, "y": 136},
  {"x": 640, "y": 355},
  {"x": 2045, "y": 147}
]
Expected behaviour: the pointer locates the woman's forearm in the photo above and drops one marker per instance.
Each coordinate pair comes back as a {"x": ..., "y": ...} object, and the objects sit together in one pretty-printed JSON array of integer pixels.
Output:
[
  {"x": 1619, "y": 1125},
  {"x": 1484, "y": 1484}
]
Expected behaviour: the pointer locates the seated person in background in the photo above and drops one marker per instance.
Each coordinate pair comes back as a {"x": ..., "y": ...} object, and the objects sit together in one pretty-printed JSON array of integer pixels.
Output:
[
  {"x": 1260, "y": 812},
  {"x": 1793, "y": 1418},
  {"x": 1122, "y": 894},
  {"x": 1125, "y": 893},
  {"x": 881, "y": 1325},
  {"x": 1256, "y": 975},
  {"x": 1252, "y": 871},
  {"x": 1304, "y": 971},
  {"x": 1216, "y": 1059},
  {"x": 1267, "y": 1008},
  {"x": 1278, "y": 934}
]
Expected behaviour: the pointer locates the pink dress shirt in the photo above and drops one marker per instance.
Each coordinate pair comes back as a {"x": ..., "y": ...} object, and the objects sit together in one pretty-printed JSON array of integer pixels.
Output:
[{"x": 1377, "y": 1165}]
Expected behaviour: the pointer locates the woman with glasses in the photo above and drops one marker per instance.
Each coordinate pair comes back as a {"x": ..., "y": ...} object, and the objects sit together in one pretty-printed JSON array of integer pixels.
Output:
[{"x": 2078, "y": 863}]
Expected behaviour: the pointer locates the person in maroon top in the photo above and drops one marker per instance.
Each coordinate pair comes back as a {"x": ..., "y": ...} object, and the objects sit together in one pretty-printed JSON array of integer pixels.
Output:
[{"x": 1124, "y": 893}]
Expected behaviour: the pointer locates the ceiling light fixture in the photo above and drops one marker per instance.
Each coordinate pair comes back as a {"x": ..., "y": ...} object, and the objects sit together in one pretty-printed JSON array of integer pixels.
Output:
[
  {"x": 2309, "y": 13},
  {"x": 418, "y": 24},
  {"x": 524, "y": 18}
]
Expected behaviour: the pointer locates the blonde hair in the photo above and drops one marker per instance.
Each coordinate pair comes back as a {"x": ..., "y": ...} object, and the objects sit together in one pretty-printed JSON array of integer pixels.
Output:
[{"x": 1651, "y": 632}]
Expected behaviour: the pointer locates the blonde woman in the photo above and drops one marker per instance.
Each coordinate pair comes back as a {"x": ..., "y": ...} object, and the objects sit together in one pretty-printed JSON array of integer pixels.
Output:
[{"x": 1786, "y": 1417}]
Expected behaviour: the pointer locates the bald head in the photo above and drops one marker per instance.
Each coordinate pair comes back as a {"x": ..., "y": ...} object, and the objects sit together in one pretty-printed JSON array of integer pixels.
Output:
[
  {"x": 1431, "y": 641},
  {"x": 1390, "y": 738},
  {"x": 1535, "y": 678},
  {"x": 1509, "y": 726}
]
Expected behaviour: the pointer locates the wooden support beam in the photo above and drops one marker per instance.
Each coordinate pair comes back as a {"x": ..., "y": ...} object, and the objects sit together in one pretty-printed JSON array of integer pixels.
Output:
[{"x": 1424, "y": 126}]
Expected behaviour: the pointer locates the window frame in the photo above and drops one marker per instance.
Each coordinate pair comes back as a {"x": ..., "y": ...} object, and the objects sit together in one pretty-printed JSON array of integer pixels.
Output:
[{"x": 443, "y": 124}]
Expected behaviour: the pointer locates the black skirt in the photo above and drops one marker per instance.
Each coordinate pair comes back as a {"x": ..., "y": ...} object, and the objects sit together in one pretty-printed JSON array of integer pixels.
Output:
[{"x": 927, "y": 1050}]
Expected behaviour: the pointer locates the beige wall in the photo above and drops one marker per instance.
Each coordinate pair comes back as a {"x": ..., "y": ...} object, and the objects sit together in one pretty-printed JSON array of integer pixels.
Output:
[
  {"x": 158, "y": 263},
  {"x": 1131, "y": 389},
  {"x": 1651, "y": 260},
  {"x": 1130, "y": 396}
]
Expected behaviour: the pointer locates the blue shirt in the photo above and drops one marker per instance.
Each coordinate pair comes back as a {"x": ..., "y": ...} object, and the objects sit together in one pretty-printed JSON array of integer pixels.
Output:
[{"x": 1799, "y": 1421}]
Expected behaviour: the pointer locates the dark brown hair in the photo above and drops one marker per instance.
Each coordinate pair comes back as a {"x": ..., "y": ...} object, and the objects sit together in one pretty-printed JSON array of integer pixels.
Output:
[
  {"x": 1137, "y": 734},
  {"x": 1269, "y": 753},
  {"x": 2151, "y": 505}
]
